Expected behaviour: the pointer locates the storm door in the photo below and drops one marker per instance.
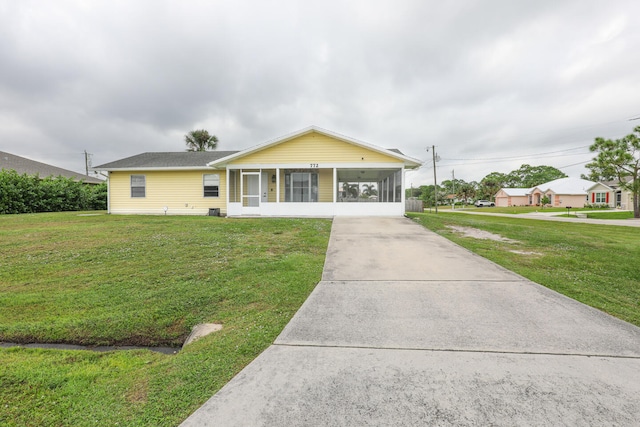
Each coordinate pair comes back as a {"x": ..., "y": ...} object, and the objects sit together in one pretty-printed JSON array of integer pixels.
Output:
[{"x": 250, "y": 193}]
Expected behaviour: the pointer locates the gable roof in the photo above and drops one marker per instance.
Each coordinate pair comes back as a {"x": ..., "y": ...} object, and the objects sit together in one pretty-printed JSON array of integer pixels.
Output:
[
  {"x": 568, "y": 186},
  {"x": 409, "y": 162},
  {"x": 573, "y": 186},
  {"x": 515, "y": 192},
  {"x": 611, "y": 185},
  {"x": 22, "y": 165},
  {"x": 166, "y": 160}
]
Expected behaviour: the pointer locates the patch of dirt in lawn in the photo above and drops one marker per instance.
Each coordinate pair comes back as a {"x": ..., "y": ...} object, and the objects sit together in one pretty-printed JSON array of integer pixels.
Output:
[
  {"x": 480, "y": 234},
  {"x": 525, "y": 252}
]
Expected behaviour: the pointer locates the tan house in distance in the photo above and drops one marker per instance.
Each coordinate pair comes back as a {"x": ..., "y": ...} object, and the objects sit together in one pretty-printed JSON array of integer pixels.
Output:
[
  {"x": 561, "y": 192},
  {"x": 610, "y": 194},
  {"x": 312, "y": 172},
  {"x": 512, "y": 197}
]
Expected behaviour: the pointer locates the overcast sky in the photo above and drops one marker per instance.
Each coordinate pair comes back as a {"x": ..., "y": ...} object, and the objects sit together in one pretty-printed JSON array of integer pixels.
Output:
[{"x": 492, "y": 84}]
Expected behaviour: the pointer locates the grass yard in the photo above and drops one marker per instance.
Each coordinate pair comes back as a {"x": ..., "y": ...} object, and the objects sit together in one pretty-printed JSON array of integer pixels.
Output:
[
  {"x": 515, "y": 210},
  {"x": 141, "y": 280},
  {"x": 610, "y": 215},
  {"x": 598, "y": 265}
]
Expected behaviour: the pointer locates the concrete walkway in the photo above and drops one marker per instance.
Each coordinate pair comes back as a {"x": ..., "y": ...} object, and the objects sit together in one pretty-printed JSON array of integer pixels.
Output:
[
  {"x": 555, "y": 216},
  {"x": 407, "y": 328}
]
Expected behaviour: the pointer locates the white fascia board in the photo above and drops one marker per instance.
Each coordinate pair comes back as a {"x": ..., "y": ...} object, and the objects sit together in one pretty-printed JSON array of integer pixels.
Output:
[
  {"x": 413, "y": 163},
  {"x": 599, "y": 183},
  {"x": 320, "y": 166},
  {"x": 168, "y": 168}
]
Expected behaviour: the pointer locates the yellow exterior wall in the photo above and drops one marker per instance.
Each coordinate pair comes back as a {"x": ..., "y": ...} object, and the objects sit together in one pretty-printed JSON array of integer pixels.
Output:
[
  {"x": 181, "y": 191},
  {"x": 314, "y": 148}
]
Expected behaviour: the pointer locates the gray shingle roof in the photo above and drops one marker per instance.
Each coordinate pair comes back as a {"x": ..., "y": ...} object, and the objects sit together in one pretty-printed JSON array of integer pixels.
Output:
[
  {"x": 180, "y": 159},
  {"x": 23, "y": 165}
]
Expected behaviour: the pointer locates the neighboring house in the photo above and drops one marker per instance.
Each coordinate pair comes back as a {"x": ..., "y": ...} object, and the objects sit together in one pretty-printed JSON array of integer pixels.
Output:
[
  {"x": 512, "y": 197},
  {"x": 312, "y": 172},
  {"x": 609, "y": 193},
  {"x": 561, "y": 192},
  {"x": 23, "y": 165}
]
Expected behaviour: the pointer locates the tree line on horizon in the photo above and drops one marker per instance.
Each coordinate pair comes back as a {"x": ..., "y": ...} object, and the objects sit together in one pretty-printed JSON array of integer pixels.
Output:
[
  {"x": 616, "y": 160},
  {"x": 526, "y": 176}
]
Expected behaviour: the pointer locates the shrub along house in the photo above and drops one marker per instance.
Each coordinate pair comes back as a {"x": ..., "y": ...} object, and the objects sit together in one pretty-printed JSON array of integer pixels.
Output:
[{"x": 312, "y": 172}]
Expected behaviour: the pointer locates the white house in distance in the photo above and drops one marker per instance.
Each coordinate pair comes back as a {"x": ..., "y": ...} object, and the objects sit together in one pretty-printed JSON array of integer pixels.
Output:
[{"x": 561, "y": 192}]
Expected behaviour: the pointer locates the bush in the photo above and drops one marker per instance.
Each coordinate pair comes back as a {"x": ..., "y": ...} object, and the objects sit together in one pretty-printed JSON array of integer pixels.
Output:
[{"x": 29, "y": 193}]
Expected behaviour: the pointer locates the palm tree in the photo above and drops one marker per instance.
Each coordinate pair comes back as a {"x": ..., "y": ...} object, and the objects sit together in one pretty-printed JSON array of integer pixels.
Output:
[
  {"x": 351, "y": 190},
  {"x": 369, "y": 190},
  {"x": 200, "y": 140}
]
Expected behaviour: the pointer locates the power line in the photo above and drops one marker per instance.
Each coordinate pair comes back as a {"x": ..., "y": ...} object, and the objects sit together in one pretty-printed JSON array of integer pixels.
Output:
[
  {"x": 574, "y": 164},
  {"x": 525, "y": 155}
]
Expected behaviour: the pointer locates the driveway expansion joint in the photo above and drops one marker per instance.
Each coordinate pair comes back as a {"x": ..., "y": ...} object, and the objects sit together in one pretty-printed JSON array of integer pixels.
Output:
[{"x": 453, "y": 350}]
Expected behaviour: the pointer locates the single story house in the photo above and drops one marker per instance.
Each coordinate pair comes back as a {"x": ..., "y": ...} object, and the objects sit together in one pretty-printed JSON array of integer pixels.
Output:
[
  {"x": 609, "y": 193},
  {"x": 562, "y": 192},
  {"x": 512, "y": 197},
  {"x": 312, "y": 172},
  {"x": 22, "y": 165}
]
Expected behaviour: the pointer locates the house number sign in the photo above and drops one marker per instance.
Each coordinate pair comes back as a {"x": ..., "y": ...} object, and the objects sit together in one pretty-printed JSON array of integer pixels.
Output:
[{"x": 314, "y": 165}]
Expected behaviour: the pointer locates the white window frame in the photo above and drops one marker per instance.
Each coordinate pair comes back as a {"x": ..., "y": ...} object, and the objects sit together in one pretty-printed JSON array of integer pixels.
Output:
[
  {"x": 216, "y": 178},
  {"x": 311, "y": 190},
  {"x": 143, "y": 179}
]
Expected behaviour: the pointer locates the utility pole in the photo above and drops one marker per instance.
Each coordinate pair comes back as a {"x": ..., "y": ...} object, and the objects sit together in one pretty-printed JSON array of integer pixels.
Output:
[
  {"x": 86, "y": 162},
  {"x": 453, "y": 181},
  {"x": 435, "y": 180}
]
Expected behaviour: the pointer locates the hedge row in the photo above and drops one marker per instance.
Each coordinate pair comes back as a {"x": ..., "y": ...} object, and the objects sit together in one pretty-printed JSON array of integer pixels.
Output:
[{"x": 29, "y": 194}]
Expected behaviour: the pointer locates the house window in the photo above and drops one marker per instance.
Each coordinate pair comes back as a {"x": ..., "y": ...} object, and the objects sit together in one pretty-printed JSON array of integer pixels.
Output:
[
  {"x": 138, "y": 186},
  {"x": 601, "y": 197},
  {"x": 211, "y": 183},
  {"x": 300, "y": 186}
]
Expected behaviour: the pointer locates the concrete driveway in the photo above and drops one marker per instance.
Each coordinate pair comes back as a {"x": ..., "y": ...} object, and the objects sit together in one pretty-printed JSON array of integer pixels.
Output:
[{"x": 407, "y": 328}]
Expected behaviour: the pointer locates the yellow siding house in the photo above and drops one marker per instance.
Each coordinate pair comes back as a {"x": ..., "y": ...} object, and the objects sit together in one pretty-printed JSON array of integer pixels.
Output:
[{"x": 312, "y": 172}]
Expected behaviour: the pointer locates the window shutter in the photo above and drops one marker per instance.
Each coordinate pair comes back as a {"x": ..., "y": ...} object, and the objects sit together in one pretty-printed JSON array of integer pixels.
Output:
[
  {"x": 607, "y": 198},
  {"x": 593, "y": 197}
]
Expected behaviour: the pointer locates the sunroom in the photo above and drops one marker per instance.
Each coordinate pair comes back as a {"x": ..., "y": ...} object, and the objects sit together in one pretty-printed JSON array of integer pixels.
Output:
[{"x": 315, "y": 191}]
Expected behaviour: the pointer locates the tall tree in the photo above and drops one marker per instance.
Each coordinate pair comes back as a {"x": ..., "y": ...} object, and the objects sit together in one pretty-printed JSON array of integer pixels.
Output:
[
  {"x": 200, "y": 140},
  {"x": 619, "y": 159},
  {"x": 428, "y": 193},
  {"x": 451, "y": 185},
  {"x": 490, "y": 184},
  {"x": 466, "y": 191},
  {"x": 529, "y": 176},
  {"x": 351, "y": 189},
  {"x": 369, "y": 190}
]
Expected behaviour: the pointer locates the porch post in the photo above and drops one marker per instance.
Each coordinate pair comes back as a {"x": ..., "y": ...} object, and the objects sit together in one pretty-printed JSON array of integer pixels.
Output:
[
  {"x": 335, "y": 185},
  {"x": 227, "y": 190},
  {"x": 277, "y": 185},
  {"x": 402, "y": 190}
]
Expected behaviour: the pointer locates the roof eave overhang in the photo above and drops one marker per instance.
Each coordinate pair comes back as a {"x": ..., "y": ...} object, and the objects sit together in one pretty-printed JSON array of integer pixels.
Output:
[
  {"x": 157, "y": 168},
  {"x": 409, "y": 162},
  {"x": 604, "y": 185}
]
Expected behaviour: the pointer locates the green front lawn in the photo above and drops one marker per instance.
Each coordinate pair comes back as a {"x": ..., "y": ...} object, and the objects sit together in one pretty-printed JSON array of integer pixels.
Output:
[
  {"x": 142, "y": 280},
  {"x": 594, "y": 264},
  {"x": 610, "y": 215}
]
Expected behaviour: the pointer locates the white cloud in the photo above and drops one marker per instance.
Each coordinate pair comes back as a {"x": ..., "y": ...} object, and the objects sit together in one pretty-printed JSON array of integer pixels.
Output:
[{"x": 477, "y": 79}]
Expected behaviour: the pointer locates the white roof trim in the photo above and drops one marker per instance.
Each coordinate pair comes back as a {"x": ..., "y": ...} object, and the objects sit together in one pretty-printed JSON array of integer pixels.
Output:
[
  {"x": 160, "y": 168},
  {"x": 308, "y": 130},
  {"x": 599, "y": 183}
]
